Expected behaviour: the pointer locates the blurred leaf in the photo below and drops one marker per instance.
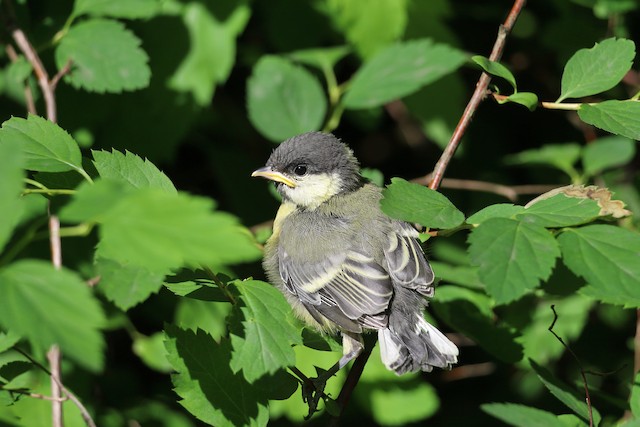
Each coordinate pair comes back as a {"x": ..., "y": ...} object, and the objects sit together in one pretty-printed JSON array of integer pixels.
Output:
[
  {"x": 449, "y": 293},
  {"x": 210, "y": 316},
  {"x": 592, "y": 71},
  {"x": 607, "y": 258},
  {"x": 560, "y": 211},
  {"x": 634, "y": 399},
  {"x": 127, "y": 9},
  {"x": 261, "y": 336},
  {"x": 373, "y": 175},
  {"x": 565, "y": 395},
  {"x": 322, "y": 58},
  {"x": 212, "y": 50},
  {"x": 151, "y": 350},
  {"x": 127, "y": 285},
  {"x": 197, "y": 289},
  {"x": 463, "y": 275},
  {"x": 283, "y": 99},
  {"x": 106, "y": 57},
  {"x": 398, "y": 405},
  {"x": 92, "y": 201},
  {"x": 560, "y": 156},
  {"x": 519, "y": 415},
  {"x": 500, "y": 210},
  {"x": 512, "y": 257},
  {"x": 416, "y": 203},
  {"x": 399, "y": 70},
  {"x": 496, "y": 69},
  {"x": 318, "y": 341},
  {"x": 50, "y": 306},
  {"x": 11, "y": 184},
  {"x": 527, "y": 99},
  {"x": 131, "y": 169},
  {"x": 368, "y": 27},
  {"x": 7, "y": 340},
  {"x": 206, "y": 384},
  {"x": 46, "y": 147},
  {"x": 617, "y": 117},
  {"x": 607, "y": 152}
]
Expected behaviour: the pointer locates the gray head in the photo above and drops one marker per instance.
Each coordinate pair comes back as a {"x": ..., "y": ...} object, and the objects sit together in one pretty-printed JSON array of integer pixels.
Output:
[{"x": 311, "y": 168}]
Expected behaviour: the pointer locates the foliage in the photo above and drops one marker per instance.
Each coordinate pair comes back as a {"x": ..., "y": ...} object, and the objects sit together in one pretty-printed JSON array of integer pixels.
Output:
[{"x": 165, "y": 106}]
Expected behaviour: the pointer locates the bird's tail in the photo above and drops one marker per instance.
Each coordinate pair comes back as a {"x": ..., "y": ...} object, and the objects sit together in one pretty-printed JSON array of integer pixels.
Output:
[{"x": 413, "y": 344}]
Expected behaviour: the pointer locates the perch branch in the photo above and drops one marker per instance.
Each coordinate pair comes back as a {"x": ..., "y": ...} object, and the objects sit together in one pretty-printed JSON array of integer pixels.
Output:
[{"x": 477, "y": 97}]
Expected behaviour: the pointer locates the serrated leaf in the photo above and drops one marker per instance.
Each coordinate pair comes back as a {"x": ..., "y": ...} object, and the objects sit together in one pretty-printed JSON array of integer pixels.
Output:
[
  {"x": 283, "y": 99},
  {"x": 602, "y": 196},
  {"x": 592, "y": 71},
  {"x": 131, "y": 169},
  {"x": 527, "y": 99},
  {"x": 416, "y": 203},
  {"x": 566, "y": 395},
  {"x": 261, "y": 335},
  {"x": 127, "y": 285},
  {"x": 399, "y": 70},
  {"x": 322, "y": 58},
  {"x": 46, "y": 147},
  {"x": 617, "y": 117},
  {"x": 127, "y": 9},
  {"x": 520, "y": 415},
  {"x": 496, "y": 69},
  {"x": 500, "y": 210},
  {"x": 607, "y": 258},
  {"x": 212, "y": 50},
  {"x": 560, "y": 211},
  {"x": 208, "y": 388},
  {"x": 49, "y": 306},
  {"x": 512, "y": 257},
  {"x": 11, "y": 185},
  {"x": 368, "y": 28},
  {"x": 106, "y": 57},
  {"x": 560, "y": 156},
  {"x": 607, "y": 152}
]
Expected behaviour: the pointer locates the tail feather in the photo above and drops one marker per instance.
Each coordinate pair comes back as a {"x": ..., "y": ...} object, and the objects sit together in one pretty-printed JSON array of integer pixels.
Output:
[{"x": 416, "y": 346}]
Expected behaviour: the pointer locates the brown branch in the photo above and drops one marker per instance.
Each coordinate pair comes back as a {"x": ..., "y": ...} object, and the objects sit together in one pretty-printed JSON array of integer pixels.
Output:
[
  {"x": 28, "y": 95},
  {"x": 575, "y": 357},
  {"x": 53, "y": 355},
  {"x": 477, "y": 97},
  {"x": 64, "y": 71}
]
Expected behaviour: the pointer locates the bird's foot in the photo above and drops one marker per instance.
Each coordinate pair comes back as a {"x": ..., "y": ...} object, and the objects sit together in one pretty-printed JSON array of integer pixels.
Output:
[{"x": 313, "y": 391}]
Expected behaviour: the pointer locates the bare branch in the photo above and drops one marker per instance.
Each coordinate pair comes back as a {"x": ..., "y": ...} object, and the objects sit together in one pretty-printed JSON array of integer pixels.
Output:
[
  {"x": 53, "y": 355},
  {"x": 65, "y": 70}
]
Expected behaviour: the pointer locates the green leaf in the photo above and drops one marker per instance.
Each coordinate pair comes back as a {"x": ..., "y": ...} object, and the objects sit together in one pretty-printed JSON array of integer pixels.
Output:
[
  {"x": 283, "y": 99},
  {"x": 607, "y": 152},
  {"x": 512, "y": 256},
  {"x": 527, "y": 99},
  {"x": 212, "y": 50},
  {"x": 11, "y": 185},
  {"x": 617, "y": 117},
  {"x": 261, "y": 335},
  {"x": 560, "y": 211},
  {"x": 463, "y": 275},
  {"x": 131, "y": 169},
  {"x": 7, "y": 340},
  {"x": 592, "y": 71},
  {"x": 400, "y": 70},
  {"x": 50, "y": 306},
  {"x": 634, "y": 399},
  {"x": 560, "y": 156},
  {"x": 496, "y": 69},
  {"x": 416, "y": 203},
  {"x": 151, "y": 350},
  {"x": 398, "y": 405},
  {"x": 208, "y": 388},
  {"x": 500, "y": 210},
  {"x": 565, "y": 395},
  {"x": 127, "y": 285},
  {"x": 368, "y": 27},
  {"x": 126, "y": 9},
  {"x": 92, "y": 201},
  {"x": 521, "y": 415},
  {"x": 322, "y": 58},
  {"x": 46, "y": 147},
  {"x": 607, "y": 258},
  {"x": 106, "y": 57},
  {"x": 200, "y": 289}
]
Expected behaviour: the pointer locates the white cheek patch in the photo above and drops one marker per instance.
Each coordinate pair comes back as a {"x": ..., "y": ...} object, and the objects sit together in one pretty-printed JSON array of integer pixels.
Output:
[{"x": 313, "y": 190}]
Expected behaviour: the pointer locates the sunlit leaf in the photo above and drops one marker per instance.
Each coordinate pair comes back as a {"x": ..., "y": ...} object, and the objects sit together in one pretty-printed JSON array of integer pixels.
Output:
[
  {"x": 131, "y": 169},
  {"x": 499, "y": 210},
  {"x": 520, "y": 415},
  {"x": 560, "y": 156},
  {"x": 560, "y": 211},
  {"x": 127, "y": 9},
  {"x": 496, "y": 69}
]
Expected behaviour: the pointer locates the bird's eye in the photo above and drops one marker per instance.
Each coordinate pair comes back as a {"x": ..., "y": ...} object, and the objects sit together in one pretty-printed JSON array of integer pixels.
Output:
[{"x": 300, "y": 169}]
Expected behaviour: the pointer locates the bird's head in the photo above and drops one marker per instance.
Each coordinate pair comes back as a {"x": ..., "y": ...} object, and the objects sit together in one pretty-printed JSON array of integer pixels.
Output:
[{"x": 311, "y": 168}]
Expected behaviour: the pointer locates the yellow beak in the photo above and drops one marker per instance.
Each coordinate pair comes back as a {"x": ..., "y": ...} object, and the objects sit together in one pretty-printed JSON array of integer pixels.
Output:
[{"x": 267, "y": 172}]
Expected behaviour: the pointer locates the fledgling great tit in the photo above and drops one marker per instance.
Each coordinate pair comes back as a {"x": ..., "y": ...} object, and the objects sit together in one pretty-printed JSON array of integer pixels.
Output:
[{"x": 342, "y": 263}]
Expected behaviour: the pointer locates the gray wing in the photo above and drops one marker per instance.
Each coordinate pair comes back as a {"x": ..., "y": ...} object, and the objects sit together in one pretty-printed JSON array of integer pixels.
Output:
[
  {"x": 349, "y": 288},
  {"x": 406, "y": 262}
]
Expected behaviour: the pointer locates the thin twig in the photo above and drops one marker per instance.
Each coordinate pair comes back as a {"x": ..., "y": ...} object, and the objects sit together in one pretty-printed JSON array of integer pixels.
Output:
[
  {"x": 28, "y": 95},
  {"x": 53, "y": 356},
  {"x": 575, "y": 357},
  {"x": 477, "y": 97},
  {"x": 63, "y": 71},
  {"x": 54, "y": 241}
]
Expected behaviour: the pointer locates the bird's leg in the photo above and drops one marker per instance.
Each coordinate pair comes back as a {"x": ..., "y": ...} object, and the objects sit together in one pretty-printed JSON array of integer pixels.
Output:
[{"x": 313, "y": 391}]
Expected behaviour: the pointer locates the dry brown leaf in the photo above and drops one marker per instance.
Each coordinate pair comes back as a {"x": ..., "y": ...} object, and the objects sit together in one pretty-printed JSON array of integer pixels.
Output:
[{"x": 608, "y": 207}]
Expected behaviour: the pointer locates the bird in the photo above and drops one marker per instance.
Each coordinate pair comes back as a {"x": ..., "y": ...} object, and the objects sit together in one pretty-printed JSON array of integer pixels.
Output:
[{"x": 343, "y": 265}]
